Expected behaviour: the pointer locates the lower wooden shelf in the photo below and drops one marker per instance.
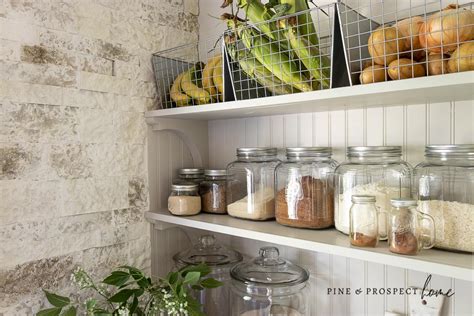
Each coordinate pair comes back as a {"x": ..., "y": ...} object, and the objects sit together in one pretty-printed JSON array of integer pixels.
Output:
[{"x": 330, "y": 241}]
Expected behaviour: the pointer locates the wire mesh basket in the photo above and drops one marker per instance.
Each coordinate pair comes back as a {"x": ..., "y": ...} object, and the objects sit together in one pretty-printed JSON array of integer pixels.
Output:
[
  {"x": 282, "y": 55},
  {"x": 401, "y": 39},
  {"x": 191, "y": 74}
]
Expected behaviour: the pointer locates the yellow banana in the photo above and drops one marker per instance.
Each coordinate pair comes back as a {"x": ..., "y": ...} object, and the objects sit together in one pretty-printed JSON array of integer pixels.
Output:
[
  {"x": 218, "y": 78},
  {"x": 200, "y": 95},
  {"x": 207, "y": 82},
  {"x": 181, "y": 99}
]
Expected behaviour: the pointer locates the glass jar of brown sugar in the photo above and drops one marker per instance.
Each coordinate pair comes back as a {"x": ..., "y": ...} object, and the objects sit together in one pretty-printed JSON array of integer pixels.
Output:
[{"x": 213, "y": 192}]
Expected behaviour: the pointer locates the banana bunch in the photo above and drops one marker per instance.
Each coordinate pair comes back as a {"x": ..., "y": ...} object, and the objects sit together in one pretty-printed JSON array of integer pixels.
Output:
[{"x": 201, "y": 84}]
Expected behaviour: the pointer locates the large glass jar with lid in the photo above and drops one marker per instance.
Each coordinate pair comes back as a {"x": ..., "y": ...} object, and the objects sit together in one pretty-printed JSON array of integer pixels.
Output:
[
  {"x": 190, "y": 175},
  {"x": 214, "y": 301},
  {"x": 445, "y": 190},
  {"x": 370, "y": 170},
  {"x": 212, "y": 190},
  {"x": 269, "y": 285},
  {"x": 250, "y": 184},
  {"x": 304, "y": 188}
]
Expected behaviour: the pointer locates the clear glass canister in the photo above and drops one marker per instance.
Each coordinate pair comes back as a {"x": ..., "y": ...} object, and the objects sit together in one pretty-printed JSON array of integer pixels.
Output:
[
  {"x": 373, "y": 170},
  {"x": 445, "y": 190},
  {"x": 364, "y": 230},
  {"x": 409, "y": 230},
  {"x": 184, "y": 199},
  {"x": 220, "y": 259},
  {"x": 269, "y": 285},
  {"x": 304, "y": 188},
  {"x": 213, "y": 192},
  {"x": 250, "y": 184},
  {"x": 190, "y": 175}
]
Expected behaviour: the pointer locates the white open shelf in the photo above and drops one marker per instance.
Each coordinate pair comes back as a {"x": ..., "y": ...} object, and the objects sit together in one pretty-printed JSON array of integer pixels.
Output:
[
  {"x": 330, "y": 241},
  {"x": 442, "y": 88}
]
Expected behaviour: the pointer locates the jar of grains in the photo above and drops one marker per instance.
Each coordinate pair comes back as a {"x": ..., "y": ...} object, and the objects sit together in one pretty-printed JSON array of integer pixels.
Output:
[
  {"x": 250, "y": 185},
  {"x": 190, "y": 175},
  {"x": 184, "y": 199},
  {"x": 212, "y": 190},
  {"x": 304, "y": 188},
  {"x": 445, "y": 187},
  {"x": 373, "y": 170}
]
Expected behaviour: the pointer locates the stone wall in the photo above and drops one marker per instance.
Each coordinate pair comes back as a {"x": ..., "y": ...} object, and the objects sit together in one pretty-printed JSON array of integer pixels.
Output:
[{"x": 75, "y": 80}]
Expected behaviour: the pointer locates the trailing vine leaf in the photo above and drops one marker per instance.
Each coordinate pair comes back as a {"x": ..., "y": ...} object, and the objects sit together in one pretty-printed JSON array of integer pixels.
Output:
[
  {"x": 55, "y": 311},
  {"x": 117, "y": 278},
  {"x": 172, "y": 277},
  {"x": 56, "y": 300},
  {"x": 134, "y": 305},
  {"x": 72, "y": 311},
  {"x": 202, "y": 268},
  {"x": 192, "y": 278},
  {"x": 122, "y": 296}
]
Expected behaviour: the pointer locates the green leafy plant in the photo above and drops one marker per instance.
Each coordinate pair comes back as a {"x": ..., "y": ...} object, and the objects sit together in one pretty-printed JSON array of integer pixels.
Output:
[{"x": 128, "y": 291}]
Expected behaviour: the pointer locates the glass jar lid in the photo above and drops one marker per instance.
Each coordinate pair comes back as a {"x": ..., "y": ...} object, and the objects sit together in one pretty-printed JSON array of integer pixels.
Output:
[
  {"x": 444, "y": 151},
  {"x": 215, "y": 172},
  {"x": 209, "y": 252},
  {"x": 269, "y": 269},
  {"x": 403, "y": 202},
  {"x": 308, "y": 152},
  {"x": 256, "y": 151},
  {"x": 184, "y": 187},
  {"x": 191, "y": 171},
  {"x": 374, "y": 151},
  {"x": 363, "y": 199}
]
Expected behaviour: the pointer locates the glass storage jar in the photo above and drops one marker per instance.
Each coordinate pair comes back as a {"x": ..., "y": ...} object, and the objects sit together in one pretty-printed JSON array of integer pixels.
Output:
[
  {"x": 409, "y": 230},
  {"x": 184, "y": 199},
  {"x": 269, "y": 285},
  {"x": 190, "y": 175},
  {"x": 364, "y": 230},
  {"x": 250, "y": 185},
  {"x": 372, "y": 170},
  {"x": 212, "y": 190},
  {"x": 445, "y": 190},
  {"x": 304, "y": 188},
  {"x": 215, "y": 301}
]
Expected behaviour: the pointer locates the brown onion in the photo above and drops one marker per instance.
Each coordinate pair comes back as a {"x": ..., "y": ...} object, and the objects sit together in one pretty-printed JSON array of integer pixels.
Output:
[
  {"x": 384, "y": 45},
  {"x": 436, "y": 64},
  {"x": 404, "y": 68},
  {"x": 375, "y": 73},
  {"x": 462, "y": 59},
  {"x": 442, "y": 31},
  {"x": 408, "y": 30}
]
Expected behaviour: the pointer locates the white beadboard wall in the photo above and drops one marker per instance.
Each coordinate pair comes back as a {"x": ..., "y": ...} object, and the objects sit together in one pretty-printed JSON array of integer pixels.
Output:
[{"x": 411, "y": 126}]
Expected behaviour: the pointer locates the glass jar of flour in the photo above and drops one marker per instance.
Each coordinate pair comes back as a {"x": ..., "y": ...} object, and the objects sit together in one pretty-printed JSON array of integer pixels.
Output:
[{"x": 378, "y": 171}]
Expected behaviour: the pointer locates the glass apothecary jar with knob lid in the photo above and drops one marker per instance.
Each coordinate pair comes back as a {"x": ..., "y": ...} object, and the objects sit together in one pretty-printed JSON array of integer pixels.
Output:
[
  {"x": 269, "y": 285},
  {"x": 370, "y": 170},
  {"x": 214, "y": 301},
  {"x": 250, "y": 184},
  {"x": 304, "y": 194},
  {"x": 444, "y": 185}
]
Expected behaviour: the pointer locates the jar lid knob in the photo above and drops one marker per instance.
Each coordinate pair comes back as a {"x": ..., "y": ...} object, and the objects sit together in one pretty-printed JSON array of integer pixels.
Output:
[
  {"x": 207, "y": 240},
  {"x": 269, "y": 252}
]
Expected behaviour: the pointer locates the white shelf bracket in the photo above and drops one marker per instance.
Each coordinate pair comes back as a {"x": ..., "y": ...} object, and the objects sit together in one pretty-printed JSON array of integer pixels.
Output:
[
  {"x": 162, "y": 226},
  {"x": 193, "y": 133}
]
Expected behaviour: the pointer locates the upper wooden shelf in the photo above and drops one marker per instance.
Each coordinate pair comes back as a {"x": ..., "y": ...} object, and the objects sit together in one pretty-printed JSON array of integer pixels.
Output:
[
  {"x": 443, "y": 88},
  {"x": 450, "y": 264}
]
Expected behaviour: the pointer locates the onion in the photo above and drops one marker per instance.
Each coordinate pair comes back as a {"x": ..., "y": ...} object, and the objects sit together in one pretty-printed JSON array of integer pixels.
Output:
[
  {"x": 404, "y": 68},
  {"x": 384, "y": 45},
  {"x": 442, "y": 31},
  {"x": 462, "y": 59},
  {"x": 375, "y": 73},
  {"x": 436, "y": 64},
  {"x": 408, "y": 30}
]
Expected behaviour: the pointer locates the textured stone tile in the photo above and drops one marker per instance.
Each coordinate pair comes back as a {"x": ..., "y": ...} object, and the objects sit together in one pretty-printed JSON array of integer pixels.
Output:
[
  {"x": 30, "y": 93},
  {"x": 131, "y": 127},
  {"x": 70, "y": 161},
  {"x": 108, "y": 159},
  {"x": 96, "y": 126},
  {"x": 33, "y": 122},
  {"x": 18, "y": 31},
  {"x": 95, "y": 64},
  {"x": 137, "y": 160},
  {"x": 103, "y": 83},
  {"x": 9, "y": 50},
  {"x": 89, "y": 99},
  {"x": 38, "y": 54},
  {"x": 137, "y": 192},
  {"x": 17, "y": 160},
  {"x": 144, "y": 89},
  {"x": 94, "y": 27},
  {"x": 191, "y": 6}
]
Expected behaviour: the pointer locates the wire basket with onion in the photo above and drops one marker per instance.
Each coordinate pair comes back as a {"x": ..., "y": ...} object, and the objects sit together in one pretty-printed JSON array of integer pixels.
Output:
[{"x": 397, "y": 39}]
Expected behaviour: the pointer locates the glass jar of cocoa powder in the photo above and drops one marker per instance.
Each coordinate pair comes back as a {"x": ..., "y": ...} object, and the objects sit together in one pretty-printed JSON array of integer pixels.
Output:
[
  {"x": 304, "y": 194},
  {"x": 213, "y": 192}
]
